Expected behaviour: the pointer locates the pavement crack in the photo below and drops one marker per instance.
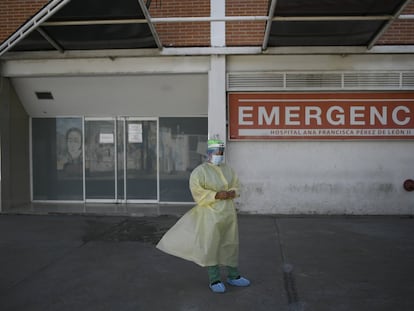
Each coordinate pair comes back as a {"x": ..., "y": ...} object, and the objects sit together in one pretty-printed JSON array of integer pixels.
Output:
[{"x": 289, "y": 282}]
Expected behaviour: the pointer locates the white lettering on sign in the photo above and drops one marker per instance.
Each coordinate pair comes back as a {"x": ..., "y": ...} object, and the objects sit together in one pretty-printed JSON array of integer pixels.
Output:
[
  {"x": 313, "y": 113},
  {"x": 335, "y": 115},
  {"x": 375, "y": 114},
  {"x": 243, "y": 114},
  {"x": 273, "y": 118},
  {"x": 363, "y": 115},
  {"x": 354, "y": 115},
  {"x": 340, "y": 118},
  {"x": 290, "y": 113},
  {"x": 395, "y": 115}
]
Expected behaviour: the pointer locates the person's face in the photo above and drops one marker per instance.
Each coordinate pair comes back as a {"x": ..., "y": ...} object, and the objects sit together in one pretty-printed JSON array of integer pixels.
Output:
[
  {"x": 214, "y": 153},
  {"x": 74, "y": 143},
  {"x": 218, "y": 151}
]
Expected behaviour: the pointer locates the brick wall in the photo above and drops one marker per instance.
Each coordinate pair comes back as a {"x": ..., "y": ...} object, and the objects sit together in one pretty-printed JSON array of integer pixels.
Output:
[
  {"x": 409, "y": 9},
  {"x": 14, "y": 13},
  {"x": 193, "y": 34},
  {"x": 401, "y": 32},
  {"x": 246, "y": 33}
]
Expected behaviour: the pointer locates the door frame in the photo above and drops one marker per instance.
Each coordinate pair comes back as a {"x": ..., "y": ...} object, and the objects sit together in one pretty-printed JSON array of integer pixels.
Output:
[
  {"x": 113, "y": 200},
  {"x": 124, "y": 120},
  {"x": 130, "y": 118}
]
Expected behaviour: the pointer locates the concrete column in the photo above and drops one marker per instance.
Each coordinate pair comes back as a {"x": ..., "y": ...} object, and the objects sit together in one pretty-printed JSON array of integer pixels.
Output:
[
  {"x": 15, "y": 161},
  {"x": 5, "y": 143},
  {"x": 217, "y": 74},
  {"x": 217, "y": 97},
  {"x": 217, "y": 29}
]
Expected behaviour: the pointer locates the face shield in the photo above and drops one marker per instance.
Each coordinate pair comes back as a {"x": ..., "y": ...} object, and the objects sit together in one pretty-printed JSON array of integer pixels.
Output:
[{"x": 215, "y": 151}]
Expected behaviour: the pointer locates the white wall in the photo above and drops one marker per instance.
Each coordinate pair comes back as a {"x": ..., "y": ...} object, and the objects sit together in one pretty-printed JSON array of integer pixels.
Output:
[
  {"x": 128, "y": 95},
  {"x": 323, "y": 177},
  {"x": 134, "y": 86},
  {"x": 320, "y": 62}
]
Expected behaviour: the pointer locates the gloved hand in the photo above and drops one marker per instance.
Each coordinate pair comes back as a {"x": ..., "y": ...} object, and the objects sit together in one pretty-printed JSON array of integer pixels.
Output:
[{"x": 225, "y": 195}]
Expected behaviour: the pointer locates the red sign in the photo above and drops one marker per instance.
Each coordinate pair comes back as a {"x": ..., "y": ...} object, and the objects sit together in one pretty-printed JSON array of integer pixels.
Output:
[{"x": 274, "y": 116}]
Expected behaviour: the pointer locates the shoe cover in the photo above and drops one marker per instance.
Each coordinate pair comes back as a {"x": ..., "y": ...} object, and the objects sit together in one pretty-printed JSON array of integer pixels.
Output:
[
  {"x": 241, "y": 282},
  {"x": 218, "y": 287}
]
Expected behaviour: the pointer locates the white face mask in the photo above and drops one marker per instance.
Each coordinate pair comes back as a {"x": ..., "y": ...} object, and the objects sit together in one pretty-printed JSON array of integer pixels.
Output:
[{"x": 217, "y": 159}]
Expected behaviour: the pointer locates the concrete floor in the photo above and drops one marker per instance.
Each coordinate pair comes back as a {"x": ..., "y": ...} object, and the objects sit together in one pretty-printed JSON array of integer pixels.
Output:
[{"x": 53, "y": 261}]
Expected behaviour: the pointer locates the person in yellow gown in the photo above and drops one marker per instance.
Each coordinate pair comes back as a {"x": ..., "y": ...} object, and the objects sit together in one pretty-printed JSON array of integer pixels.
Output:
[{"x": 208, "y": 233}]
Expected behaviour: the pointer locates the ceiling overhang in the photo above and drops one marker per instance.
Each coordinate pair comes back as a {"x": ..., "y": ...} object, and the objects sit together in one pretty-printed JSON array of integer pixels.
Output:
[
  {"x": 52, "y": 7},
  {"x": 65, "y": 25},
  {"x": 76, "y": 26},
  {"x": 329, "y": 23}
]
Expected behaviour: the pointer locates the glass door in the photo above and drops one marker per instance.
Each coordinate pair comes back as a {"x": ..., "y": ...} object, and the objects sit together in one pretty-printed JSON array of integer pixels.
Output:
[
  {"x": 140, "y": 160},
  {"x": 121, "y": 162},
  {"x": 100, "y": 159}
]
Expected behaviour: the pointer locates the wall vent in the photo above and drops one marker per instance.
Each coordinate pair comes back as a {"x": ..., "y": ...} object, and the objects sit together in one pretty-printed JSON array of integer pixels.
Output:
[
  {"x": 370, "y": 80},
  {"x": 320, "y": 81},
  {"x": 408, "y": 80},
  {"x": 255, "y": 81},
  {"x": 313, "y": 80}
]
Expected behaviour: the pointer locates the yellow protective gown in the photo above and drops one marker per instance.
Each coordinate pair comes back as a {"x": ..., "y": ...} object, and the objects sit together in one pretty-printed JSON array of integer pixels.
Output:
[{"x": 208, "y": 233}]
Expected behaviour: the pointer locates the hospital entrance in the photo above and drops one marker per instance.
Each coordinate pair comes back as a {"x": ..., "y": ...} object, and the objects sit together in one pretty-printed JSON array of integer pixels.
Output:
[{"x": 115, "y": 160}]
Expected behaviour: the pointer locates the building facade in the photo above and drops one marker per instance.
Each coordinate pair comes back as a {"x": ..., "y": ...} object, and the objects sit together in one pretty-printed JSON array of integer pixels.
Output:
[{"x": 114, "y": 103}]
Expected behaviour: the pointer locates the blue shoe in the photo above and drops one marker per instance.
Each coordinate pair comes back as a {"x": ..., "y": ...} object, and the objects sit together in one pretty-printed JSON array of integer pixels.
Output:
[
  {"x": 218, "y": 287},
  {"x": 241, "y": 282}
]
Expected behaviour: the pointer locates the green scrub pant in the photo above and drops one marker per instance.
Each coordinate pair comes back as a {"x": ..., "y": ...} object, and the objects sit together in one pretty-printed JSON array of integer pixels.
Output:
[{"x": 214, "y": 273}]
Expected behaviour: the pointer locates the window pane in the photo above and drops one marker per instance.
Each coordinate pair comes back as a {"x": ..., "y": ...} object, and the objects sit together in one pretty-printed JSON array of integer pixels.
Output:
[
  {"x": 100, "y": 159},
  {"x": 57, "y": 159},
  {"x": 183, "y": 143},
  {"x": 141, "y": 160}
]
